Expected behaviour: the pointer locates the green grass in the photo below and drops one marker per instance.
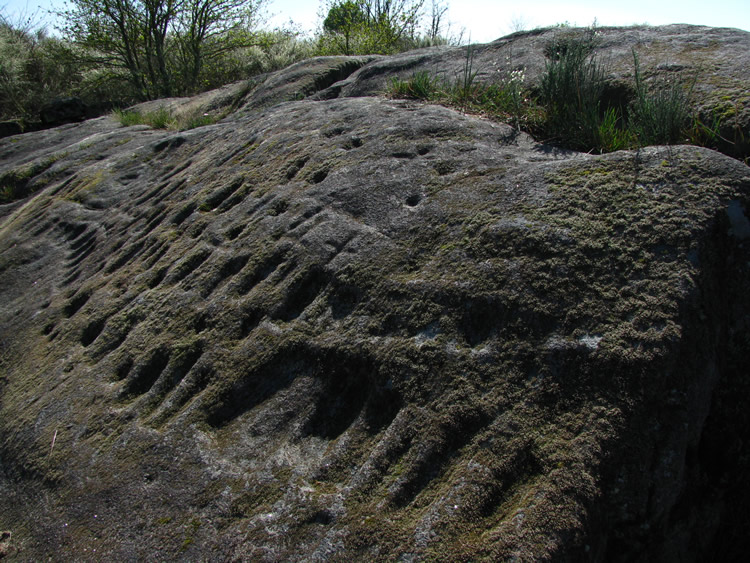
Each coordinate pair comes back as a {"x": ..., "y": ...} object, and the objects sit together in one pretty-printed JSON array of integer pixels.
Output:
[
  {"x": 163, "y": 118},
  {"x": 158, "y": 119},
  {"x": 571, "y": 90},
  {"x": 422, "y": 86},
  {"x": 660, "y": 115},
  {"x": 505, "y": 100}
]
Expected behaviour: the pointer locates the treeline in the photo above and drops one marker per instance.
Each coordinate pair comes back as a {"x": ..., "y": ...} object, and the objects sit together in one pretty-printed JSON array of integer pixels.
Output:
[{"x": 118, "y": 52}]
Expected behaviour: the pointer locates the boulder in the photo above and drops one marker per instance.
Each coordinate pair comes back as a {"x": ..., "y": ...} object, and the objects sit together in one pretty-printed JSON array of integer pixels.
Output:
[
  {"x": 370, "y": 329},
  {"x": 62, "y": 110},
  {"x": 9, "y": 128}
]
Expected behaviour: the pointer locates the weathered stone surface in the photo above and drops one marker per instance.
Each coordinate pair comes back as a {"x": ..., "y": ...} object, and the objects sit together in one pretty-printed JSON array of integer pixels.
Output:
[
  {"x": 303, "y": 79},
  {"x": 369, "y": 329}
]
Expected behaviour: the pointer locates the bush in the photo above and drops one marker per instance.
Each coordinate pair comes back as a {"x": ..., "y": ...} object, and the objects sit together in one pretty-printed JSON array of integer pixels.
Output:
[
  {"x": 363, "y": 27},
  {"x": 163, "y": 46},
  {"x": 572, "y": 92},
  {"x": 273, "y": 51},
  {"x": 34, "y": 69}
]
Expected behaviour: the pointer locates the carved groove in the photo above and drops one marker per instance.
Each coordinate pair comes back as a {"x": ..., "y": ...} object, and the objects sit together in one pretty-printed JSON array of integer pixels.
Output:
[
  {"x": 235, "y": 199},
  {"x": 177, "y": 169},
  {"x": 234, "y": 231},
  {"x": 189, "y": 265},
  {"x": 169, "y": 376},
  {"x": 264, "y": 269},
  {"x": 73, "y": 276},
  {"x": 156, "y": 276},
  {"x": 218, "y": 196},
  {"x": 155, "y": 254},
  {"x": 319, "y": 175},
  {"x": 156, "y": 218},
  {"x": 429, "y": 458},
  {"x": 75, "y": 303},
  {"x": 72, "y": 231},
  {"x": 82, "y": 252},
  {"x": 228, "y": 269},
  {"x": 191, "y": 386},
  {"x": 301, "y": 293},
  {"x": 83, "y": 240},
  {"x": 124, "y": 257},
  {"x": 92, "y": 331},
  {"x": 114, "y": 334},
  {"x": 296, "y": 167},
  {"x": 255, "y": 387},
  {"x": 143, "y": 377},
  {"x": 250, "y": 320},
  {"x": 185, "y": 212}
]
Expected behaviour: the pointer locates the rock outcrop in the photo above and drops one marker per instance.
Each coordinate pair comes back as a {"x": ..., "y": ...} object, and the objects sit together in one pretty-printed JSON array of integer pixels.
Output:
[
  {"x": 712, "y": 62},
  {"x": 353, "y": 327},
  {"x": 62, "y": 110}
]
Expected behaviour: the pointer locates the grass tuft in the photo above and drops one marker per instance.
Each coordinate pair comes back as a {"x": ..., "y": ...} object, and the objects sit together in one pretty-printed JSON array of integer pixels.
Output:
[
  {"x": 662, "y": 115},
  {"x": 571, "y": 90},
  {"x": 421, "y": 86},
  {"x": 162, "y": 118},
  {"x": 504, "y": 100}
]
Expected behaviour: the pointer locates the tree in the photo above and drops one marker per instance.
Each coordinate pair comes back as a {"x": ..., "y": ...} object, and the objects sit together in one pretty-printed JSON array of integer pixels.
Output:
[
  {"x": 399, "y": 17},
  {"x": 161, "y": 44},
  {"x": 343, "y": 16},
  {"x": 437, "y": 13},
  {"x": 207, "y": 29},
  {"x": 371, "y": 26},
  {"x": 345, "y": 19}
]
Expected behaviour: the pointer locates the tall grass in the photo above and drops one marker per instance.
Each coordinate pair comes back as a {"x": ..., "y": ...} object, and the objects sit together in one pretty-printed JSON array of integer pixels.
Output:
[
  {"x": 660, "y": 114},
  {"x": 571, "y": 91}
]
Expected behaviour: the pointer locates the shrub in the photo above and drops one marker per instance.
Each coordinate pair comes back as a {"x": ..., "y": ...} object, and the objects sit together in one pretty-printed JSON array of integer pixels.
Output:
[
  {"x": 158, "y": 119},
  {"x": 504, "y": 100},
  {"x": 34, "y": 69},
  {"x": 162, "y": 46},
  {"x": 195, "y": 119},
  {"x": 464, "y": 89},
  {"x": 361, "y": 27},
  {"x": 612, "y": 134}
]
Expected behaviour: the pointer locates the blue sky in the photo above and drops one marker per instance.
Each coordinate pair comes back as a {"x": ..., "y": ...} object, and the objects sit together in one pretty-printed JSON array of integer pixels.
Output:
[{"x": 485, "y": 20}]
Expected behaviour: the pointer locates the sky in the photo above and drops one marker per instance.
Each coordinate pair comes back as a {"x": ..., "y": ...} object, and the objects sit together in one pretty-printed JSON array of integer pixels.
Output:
[{"x": 486, "y": 20}]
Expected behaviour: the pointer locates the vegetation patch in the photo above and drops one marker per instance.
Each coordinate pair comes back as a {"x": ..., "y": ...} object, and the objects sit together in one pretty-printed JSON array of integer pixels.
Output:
[
  {"x": 573, "y": 105},
  {"x": 163, "y": 118}
]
